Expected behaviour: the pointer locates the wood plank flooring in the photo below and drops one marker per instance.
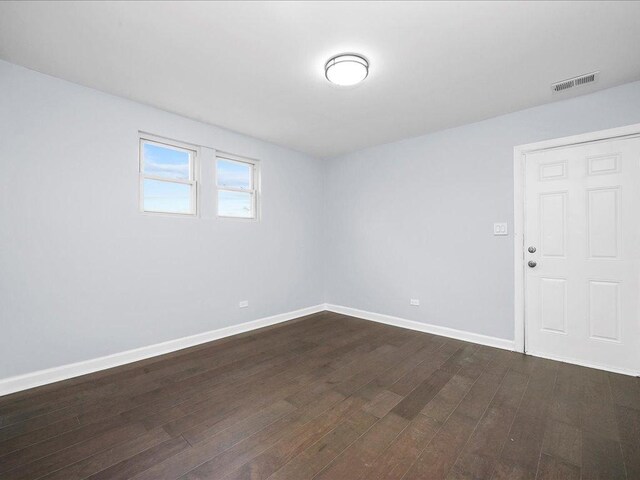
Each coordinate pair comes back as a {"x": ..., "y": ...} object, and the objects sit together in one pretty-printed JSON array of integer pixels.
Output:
[{"x": 328, "y": 397}]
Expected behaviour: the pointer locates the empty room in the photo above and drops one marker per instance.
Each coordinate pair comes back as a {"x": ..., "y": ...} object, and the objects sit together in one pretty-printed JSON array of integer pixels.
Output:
[{"x": 319, "y": 240}]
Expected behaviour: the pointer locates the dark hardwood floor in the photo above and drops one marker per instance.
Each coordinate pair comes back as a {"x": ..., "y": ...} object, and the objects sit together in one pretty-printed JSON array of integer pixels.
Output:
[{"x": 328, "y": 397}]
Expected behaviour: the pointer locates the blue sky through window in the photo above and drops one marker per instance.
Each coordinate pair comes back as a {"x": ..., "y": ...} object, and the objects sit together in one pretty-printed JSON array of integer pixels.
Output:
[
  {"x": 165, "y": 162},
  {"x": 168, "y": 197},
  {"x": 235, "y": 204},
  {"x": 233, "y": 174}
]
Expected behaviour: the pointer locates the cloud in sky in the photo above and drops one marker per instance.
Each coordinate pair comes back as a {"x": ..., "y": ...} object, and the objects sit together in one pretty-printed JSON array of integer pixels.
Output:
[
  {"x": 165, "y": 162},
  {"x": 233, "y": 174}
]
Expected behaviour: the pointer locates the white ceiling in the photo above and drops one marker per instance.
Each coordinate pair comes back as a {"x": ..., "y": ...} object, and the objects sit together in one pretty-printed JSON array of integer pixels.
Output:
[{"x": 257, "y": 68}]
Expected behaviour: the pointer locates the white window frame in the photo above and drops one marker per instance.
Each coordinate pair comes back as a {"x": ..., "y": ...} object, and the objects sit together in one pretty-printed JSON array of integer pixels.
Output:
[
  {"x": 192, "y": 181},
  {"x": 255, "y": 184}
]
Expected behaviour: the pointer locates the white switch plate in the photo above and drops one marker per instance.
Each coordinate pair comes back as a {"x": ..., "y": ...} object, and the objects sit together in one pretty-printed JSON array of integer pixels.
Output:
[
  {"x": 500, "y": 229},
  {"x": 244, "y": 304},
  {"x": 414, "y": 301}
]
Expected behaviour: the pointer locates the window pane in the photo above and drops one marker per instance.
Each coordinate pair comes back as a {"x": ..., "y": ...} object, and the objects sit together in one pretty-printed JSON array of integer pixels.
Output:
[
  {"x": 165, "y": 162},
  {"x": 234, "y": 174},
  {"x": 167, "y": 197},
  {"x": 235, "y": 204}
]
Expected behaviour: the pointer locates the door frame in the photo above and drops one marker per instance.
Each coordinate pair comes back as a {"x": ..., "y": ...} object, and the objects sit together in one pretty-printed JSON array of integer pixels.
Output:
[{"x": 519, "y": 153}]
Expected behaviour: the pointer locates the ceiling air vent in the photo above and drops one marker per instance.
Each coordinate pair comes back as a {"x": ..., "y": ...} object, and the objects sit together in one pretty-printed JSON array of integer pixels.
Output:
[{"x": 574, "y": 82}]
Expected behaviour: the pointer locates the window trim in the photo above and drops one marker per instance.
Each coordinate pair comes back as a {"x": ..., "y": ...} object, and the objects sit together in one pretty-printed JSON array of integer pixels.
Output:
[
  {"x": 192, "y": 181},
  {"x": 255, "y": 183}
]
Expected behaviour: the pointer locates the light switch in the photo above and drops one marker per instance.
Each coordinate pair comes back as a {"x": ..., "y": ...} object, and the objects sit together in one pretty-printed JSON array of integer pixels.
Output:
[{"x": 500, "y": 229}]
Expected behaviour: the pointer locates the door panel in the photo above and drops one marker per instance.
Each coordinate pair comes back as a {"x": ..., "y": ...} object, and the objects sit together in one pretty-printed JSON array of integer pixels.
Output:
[
  {"x": 582, "y": 214},
  {"x": 604, "y": 321},
  {"x": 553, "y": 304},
  {"x": 553, "y": 224},
  {"x": 602, "y": 206}
]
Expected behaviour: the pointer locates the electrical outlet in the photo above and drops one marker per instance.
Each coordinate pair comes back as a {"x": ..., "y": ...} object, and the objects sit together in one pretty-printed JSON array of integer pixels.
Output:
[
  {"x": 244, "y": 304},
  {"x": 414, "y": 302},
  {"x": 500, "y": 229}
]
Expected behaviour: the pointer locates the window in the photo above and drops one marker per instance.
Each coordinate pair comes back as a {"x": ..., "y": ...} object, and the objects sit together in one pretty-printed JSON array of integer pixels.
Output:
[
  {"x": 236, "y": 179},
  {"x": 167, "y": 177}
]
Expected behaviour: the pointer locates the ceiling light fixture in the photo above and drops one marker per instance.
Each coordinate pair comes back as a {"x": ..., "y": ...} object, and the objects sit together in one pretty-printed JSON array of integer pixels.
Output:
[{"x": 346, "y": 69}]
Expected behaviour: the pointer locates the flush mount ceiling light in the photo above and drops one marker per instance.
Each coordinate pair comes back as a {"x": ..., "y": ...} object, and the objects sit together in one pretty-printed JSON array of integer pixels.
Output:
[{"x": 346, "y": 69}]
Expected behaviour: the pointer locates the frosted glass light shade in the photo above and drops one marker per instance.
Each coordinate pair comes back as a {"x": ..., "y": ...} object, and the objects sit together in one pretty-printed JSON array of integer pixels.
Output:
[{"x": 346, "y": 69}]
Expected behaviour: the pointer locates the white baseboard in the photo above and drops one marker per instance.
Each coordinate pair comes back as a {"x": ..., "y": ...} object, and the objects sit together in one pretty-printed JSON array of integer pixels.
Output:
[
  {"x": 424, "y": 327},
  {"x": 50, "y": 375}
]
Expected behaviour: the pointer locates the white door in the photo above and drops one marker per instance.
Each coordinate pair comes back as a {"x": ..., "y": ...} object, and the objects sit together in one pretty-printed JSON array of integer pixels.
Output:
[{"x": 582, "y": 282}]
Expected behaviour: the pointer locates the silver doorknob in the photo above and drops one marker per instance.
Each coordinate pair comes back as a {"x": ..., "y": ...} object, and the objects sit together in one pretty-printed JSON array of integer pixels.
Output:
[
  {"x": 532, "y": 263},
  {"x": 532, "y": 249}
]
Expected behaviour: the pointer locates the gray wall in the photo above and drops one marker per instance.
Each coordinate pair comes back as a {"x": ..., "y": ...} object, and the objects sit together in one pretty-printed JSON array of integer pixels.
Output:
[
  {"x": 84, "y": 274},
  {"x": 414, "y": 219}
]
